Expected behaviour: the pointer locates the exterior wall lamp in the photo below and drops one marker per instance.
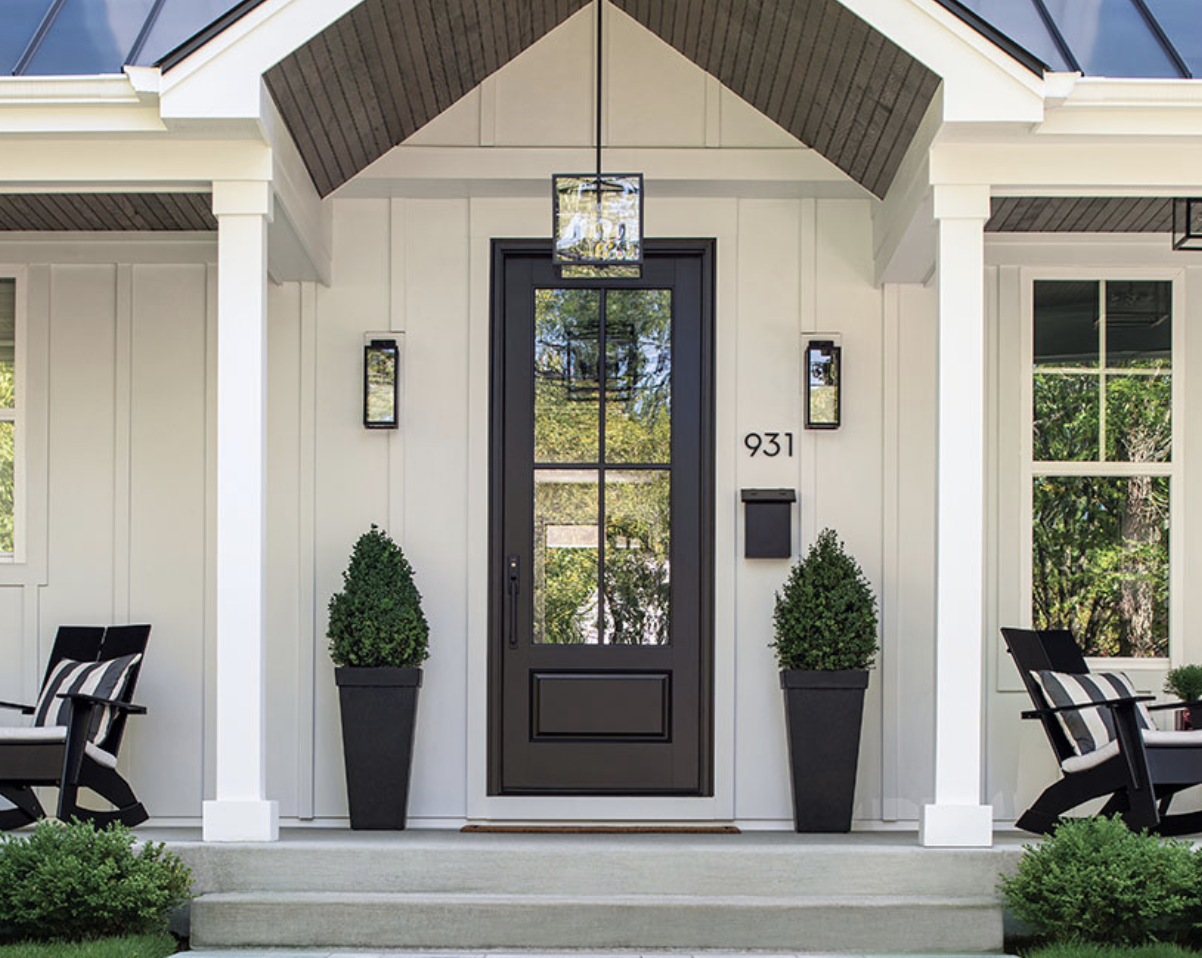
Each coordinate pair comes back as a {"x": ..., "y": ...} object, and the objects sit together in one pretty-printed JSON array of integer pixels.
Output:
[
  {"x": 381, "y": 384},
  {"x": 1187, "y": 223},
  {"x": 824, "y": 384}
]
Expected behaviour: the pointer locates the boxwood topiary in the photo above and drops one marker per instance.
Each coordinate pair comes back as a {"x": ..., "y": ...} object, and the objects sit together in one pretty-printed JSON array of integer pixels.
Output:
[
  {"x": 74, "y": 882},
  {"x": 1095, "y": 880},
  {"x": 377, "y": 620},
  {"x": 825, "y": 615},
  {"x": 1185, "y": 682}
]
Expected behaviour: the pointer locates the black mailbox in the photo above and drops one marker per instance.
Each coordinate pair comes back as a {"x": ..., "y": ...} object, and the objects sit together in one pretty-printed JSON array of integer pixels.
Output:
[{"x": 768, "y": 529}]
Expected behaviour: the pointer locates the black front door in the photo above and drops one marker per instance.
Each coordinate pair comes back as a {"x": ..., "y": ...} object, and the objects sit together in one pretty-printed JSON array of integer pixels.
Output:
[{"x": 602, "y": 528}]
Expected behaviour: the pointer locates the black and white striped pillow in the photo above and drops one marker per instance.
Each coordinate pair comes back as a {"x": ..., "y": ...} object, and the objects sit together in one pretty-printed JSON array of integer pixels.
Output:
[
  {"x": 1090, "y": 729},
  {"x": 104, "y": 679}
]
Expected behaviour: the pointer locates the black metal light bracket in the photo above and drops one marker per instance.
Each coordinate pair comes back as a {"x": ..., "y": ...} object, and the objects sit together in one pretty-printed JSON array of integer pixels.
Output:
[{"x": 1187, "y": 223}]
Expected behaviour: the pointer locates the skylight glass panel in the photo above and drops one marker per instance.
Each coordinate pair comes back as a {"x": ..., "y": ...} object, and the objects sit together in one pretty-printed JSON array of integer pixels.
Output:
[
  {"x": 20, "y": 20},
  {"x": 1111, "y": 38},
  {"x": 1181, "y": 20},
  {"x": 178, "y": 21},
  {"x": 90, "y": 36},
  {"x": 1022, "y": 23}
]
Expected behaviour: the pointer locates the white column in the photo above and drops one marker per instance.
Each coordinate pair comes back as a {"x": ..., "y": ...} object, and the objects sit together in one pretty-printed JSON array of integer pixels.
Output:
[
  {"x": 241, "y": 811},
  {"x": 958, "y": 817}
]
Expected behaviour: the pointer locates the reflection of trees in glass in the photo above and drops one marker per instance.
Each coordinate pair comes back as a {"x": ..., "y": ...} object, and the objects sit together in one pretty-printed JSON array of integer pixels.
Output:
[
  {"x": 6, "y": 486},
  {"x": 573, "y": 596},
  {"x": 636, "y": 589}
]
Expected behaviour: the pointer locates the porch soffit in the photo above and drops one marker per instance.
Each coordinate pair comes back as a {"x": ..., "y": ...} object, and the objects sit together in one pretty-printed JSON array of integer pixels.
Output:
[
  {"x": 1081, "y": 214},
  {"x": 815, "y": 68},
  {"x": 109, "y": 212}
]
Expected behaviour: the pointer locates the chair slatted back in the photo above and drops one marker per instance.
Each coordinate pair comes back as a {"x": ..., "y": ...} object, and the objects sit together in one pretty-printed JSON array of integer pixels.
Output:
[
  {"x": 1036, "y": 650},
  {"x": 95, "y": 643}
]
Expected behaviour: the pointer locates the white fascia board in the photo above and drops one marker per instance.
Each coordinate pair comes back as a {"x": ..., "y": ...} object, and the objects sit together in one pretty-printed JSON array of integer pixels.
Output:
[
  {"x": 981, "y": 82},
  {"x": 222, "y": 77},
  {"x": 64, "y": 162},
  {"x": 305, "y": 252},
  {"x": 1110, "y": 107},
  {"x": 72, "y": 104},
  {"x": 1079, "y": 166}
]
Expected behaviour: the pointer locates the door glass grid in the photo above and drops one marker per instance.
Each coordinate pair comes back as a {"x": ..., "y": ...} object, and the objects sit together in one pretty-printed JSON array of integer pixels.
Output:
[{"x": 602, "y": 469}]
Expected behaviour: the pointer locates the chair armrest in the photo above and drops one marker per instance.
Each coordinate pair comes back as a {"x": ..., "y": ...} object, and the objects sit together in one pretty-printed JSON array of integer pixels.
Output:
[
  {"x": 1174, "y": 705},
  {"x": 1111, "y": 703},
  {"x": 110, "y": 703},
  {"x": 23, "y": 709}
]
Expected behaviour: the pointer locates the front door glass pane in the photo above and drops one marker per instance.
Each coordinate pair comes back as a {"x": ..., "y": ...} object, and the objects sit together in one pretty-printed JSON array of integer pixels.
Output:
[
  {"x": 567, "y": 375},
  {"x": 636, "y": 587},
  {"x": 566, "y": 553},
  {"x": 638, "y": 365}
]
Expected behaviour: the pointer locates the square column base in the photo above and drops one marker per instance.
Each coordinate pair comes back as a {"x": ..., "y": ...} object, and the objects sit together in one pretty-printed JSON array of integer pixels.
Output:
[
  {"x": 234, "y": 821},
  {"x": 956, "y": 826}
]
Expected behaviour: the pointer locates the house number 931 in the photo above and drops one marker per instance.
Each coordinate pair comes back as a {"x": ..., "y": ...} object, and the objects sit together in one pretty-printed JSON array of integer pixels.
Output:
[{"x": 770, "y": 444}]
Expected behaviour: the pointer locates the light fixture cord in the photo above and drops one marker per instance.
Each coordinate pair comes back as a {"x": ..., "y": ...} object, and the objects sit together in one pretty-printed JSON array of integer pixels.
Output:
[{"x": 600, "y": 4}]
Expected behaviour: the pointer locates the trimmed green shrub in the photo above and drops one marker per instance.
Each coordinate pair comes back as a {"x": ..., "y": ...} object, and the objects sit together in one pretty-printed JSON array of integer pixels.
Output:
[
  {"x": 74, "y": 882},
  {"x": 1095, "y": 880},
  {"x": 1076, "y": 949},
  {"x": 377, "y": 620},
  {"x": 1185, "y": 682},
  {"x": 825, "y": 615}
]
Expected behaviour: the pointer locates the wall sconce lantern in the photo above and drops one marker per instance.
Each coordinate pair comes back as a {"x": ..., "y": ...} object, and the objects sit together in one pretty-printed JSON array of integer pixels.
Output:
[
  {"x": 823, "y": 384},
  {"x": 381, "y": 381},
  {"x": 1187, "y": 223}
]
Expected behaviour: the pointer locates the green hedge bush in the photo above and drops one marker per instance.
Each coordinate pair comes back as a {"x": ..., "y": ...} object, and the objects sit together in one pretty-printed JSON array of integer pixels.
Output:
[
  {"x": 377, "y": 619},
  {"x": 73, "y": 882},
  {"x": 825, "y": 616},
  {"x": 1095, "y": 880}
]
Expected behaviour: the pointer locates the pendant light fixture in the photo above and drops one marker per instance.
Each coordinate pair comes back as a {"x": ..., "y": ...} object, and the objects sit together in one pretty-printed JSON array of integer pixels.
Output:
[{"x": 598, "y": 217}]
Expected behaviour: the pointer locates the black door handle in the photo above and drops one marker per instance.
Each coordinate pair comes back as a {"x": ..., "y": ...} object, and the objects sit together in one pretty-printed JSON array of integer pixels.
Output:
[{"x": 513, "y": 576}]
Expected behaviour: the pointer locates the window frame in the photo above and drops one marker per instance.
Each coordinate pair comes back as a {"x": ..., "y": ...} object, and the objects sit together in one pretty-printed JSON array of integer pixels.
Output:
[
  {"x": 17, "y": 415},
  {"x": 1030, "y": 468}
]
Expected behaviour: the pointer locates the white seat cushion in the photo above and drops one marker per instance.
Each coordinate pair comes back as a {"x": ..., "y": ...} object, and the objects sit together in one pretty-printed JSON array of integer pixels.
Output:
[
  {"x": 1078, "y": 763},
  {"x": 51, "y": 734}
]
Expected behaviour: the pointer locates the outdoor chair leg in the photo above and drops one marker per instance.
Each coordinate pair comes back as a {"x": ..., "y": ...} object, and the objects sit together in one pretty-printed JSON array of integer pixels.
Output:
[
  {"x": 110, "y": 786},
  {"x": 28, "y": 809},
  {"x": 1056, "y": 799}
]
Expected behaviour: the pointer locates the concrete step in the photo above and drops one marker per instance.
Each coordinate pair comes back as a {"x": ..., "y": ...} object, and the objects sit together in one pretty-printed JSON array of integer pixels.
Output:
[
  {"x": 772, "y": 865},
  {"x": 860, "y": 924}
]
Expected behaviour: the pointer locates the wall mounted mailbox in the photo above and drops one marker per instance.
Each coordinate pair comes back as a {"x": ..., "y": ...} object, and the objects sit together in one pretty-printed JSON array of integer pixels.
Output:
[{"x": 768, "y": 526}]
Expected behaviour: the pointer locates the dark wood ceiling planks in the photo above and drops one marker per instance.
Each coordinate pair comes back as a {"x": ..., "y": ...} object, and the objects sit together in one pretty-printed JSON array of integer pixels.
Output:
[
  {"x": 388, "y": 67},
  {"x": 106, "y": 212},
  {"x": 1081, "y": 214}
]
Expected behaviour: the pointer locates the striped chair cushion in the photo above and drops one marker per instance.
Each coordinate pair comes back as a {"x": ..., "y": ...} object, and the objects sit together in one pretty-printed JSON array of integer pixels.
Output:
[
  {"x": 1090, "y": 729},
  {"x": 105, "y": 679}
]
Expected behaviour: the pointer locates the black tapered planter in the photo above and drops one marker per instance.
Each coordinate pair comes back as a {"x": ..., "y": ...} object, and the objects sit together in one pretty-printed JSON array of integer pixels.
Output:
[
  {"x": 823, "y": 712},
  {"x": 379, "y": 707}
]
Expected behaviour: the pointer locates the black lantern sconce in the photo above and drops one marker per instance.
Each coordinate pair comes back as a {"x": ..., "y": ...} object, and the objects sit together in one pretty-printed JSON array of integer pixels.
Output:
[
  {"x": 824, "y": 384},
  {"x": 1187, "y": 223},
  {"x": 381, "y": 384}
]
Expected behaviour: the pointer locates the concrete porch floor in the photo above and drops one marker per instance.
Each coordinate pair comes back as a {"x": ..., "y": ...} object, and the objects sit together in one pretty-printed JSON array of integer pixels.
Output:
[{"x": 468, "y": 894}]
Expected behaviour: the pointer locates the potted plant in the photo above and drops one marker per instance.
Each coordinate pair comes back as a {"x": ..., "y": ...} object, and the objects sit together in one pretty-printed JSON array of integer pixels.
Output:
[
  {"x": 1185, "y": 682},
  {"x": 378, "y": 639},
  {"x": 826, "y": 639}
]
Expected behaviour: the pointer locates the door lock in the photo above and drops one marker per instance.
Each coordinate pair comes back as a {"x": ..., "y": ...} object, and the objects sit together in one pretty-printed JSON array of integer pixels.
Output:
[{"x": 513, "y": 587}]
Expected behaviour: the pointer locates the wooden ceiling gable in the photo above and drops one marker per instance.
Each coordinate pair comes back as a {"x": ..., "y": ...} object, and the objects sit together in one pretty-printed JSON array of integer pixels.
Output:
[
  {"x": 384, "y": 70},
  {"x": 811, "y": 66}
]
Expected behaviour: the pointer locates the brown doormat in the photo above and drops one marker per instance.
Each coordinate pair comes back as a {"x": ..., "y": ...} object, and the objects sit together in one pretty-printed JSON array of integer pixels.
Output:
[{"x": 606, "y": 829}]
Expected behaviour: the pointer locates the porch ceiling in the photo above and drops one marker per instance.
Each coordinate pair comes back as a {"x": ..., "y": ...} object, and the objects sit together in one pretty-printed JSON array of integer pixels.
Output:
[
  {"x": 116, "y": 212},
  {"x": 1081, "y": 214},
  {"x": 812, "y": 66}
]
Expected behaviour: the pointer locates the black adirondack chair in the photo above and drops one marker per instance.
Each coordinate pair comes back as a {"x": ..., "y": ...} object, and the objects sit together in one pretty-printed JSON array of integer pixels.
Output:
[
  {"x": 1139, "y": 770},
  {"x": 93, "y": 672}
]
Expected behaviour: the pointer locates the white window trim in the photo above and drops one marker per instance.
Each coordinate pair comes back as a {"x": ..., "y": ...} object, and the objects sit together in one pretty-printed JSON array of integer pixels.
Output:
[
  {"x": 1174, "y": 470},
  {"x": 21, "y": 388}
]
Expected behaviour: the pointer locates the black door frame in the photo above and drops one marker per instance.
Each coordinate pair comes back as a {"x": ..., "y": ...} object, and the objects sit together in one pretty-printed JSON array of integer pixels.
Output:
[{"x": 704, "y": 249}]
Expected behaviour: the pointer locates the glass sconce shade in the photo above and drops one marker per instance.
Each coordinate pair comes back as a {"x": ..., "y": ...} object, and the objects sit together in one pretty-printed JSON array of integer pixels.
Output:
[
  {"x": 381, "y": 406},
  {"x": 823, "y": 385},
  {"x": 1187, "y": 223}
]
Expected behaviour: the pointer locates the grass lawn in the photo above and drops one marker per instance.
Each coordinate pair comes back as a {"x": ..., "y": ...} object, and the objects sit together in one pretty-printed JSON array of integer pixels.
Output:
[
  {"x": 134, "y": 946},
  {"x": 1100, "y": 951}
]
